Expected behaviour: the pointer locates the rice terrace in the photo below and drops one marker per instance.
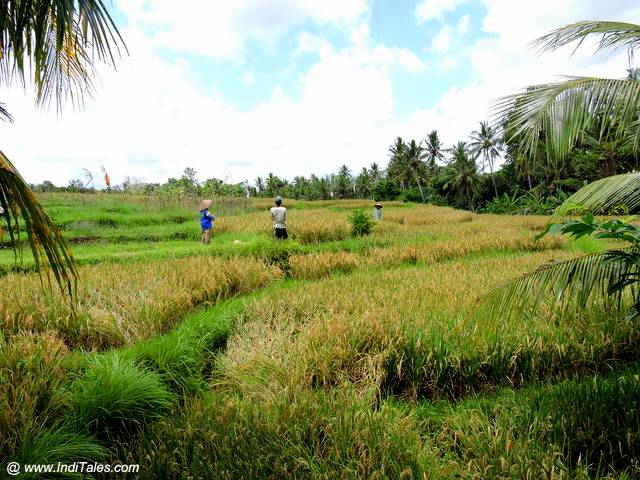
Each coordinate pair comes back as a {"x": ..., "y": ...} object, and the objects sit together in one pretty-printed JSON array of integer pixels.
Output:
[
  {"x": 377, "y": 298},
  {"x": 324, "y": 355}
]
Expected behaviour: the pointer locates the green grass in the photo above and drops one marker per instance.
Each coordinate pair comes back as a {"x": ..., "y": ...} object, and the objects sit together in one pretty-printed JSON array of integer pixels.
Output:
[{"x": 368, "y": 358}]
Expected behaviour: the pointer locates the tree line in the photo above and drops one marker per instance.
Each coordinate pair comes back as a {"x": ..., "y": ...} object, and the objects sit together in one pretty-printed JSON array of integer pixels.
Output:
[{"x": 464, "y": 175}]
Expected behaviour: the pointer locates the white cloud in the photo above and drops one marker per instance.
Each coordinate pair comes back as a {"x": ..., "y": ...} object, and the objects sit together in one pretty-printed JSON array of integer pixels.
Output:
[
  {"x": 248, "y": 78},
  {"x": 463, "y": 25},
  {"x": 310, "y": 43},
  {"x": 449, "y": 36},
  {"x": 435, "y": 9},
  {"x": 442, "y": 42},
  {"x": 504, "y": 63},
  {"x": 152, "y": 118},
  {"x": 220, "y": 29}
]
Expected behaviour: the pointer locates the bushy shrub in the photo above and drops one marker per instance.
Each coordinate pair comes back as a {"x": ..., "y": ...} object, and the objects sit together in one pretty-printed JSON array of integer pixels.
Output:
[{"x": 361, "y": 223}]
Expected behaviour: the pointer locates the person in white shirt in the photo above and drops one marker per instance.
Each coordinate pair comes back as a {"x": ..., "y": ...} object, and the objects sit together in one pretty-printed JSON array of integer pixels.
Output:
[{"x": 279, "y": 214}]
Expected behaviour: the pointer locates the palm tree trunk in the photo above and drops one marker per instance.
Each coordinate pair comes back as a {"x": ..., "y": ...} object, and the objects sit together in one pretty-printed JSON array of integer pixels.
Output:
[
  {"x": 493, "y": 179},
  {"x": 420, "y": 187}
]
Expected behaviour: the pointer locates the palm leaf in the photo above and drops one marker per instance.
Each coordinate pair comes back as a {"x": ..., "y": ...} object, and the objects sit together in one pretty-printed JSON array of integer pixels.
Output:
[
  {"x": 562, "y": 111},
  {"x": 50, "y": 251},
  {"x": 613, "y": 35},
  {"x": 56, "y": 42},
  {"x": 605, "y": 195},
  {"x": 4, "y": 114},
  {"x": 581, "y": 280}
]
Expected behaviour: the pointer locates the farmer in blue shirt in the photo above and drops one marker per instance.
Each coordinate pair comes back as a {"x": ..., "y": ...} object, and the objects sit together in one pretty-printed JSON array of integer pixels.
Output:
[{"x": 206, "y": 220}]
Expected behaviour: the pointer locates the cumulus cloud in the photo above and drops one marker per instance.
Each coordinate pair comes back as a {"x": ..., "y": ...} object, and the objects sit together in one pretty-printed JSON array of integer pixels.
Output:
[
  {"x": 220, "y": 30},
  {"x": 154, "y": 116},
  {"x": 449, "y": 36},
  {"x": 152, "y": 119},
  {"x": 503, "y": 63},
  {"x": 435, "y": 9}
]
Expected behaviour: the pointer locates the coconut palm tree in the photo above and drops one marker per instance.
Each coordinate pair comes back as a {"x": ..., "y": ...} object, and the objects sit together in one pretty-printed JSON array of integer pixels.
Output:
[
  {"x": 51, "y": 45},
  {"x": 562, "y": 111},
  {"x": 398, "y": 167},
  {"x": 486, "y": 142},
  {"x": 259, "y": 183},
  {"x": 376, "y": 173},
  {"x": 434, "y": 149},
  {"x": 593, "y": 277},
  {"x": 461, "y": 174},
  {"x": 413, "y": 161}
]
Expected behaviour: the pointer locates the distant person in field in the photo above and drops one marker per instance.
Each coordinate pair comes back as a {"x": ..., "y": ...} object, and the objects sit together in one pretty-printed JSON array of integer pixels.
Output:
[
  {"x": 206, "y": 220},
  {"x": 279, "y": 214}
]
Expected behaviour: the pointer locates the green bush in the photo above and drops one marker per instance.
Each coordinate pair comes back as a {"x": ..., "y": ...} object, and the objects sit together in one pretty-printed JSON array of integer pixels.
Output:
[{"x": 361, "y": 223}]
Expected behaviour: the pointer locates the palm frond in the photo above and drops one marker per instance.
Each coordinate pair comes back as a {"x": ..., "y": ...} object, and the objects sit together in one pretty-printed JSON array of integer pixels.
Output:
[
  {"x": 561, "y": 111},
  {"x": 54, "y": 44},
  {"x": 605, "y": 195},
  {"x": 4, "y": 114},
  {"x": 50, "y": 251},
  {"x": 613, "y": 35},
  {"x": 581, "y": 280}
]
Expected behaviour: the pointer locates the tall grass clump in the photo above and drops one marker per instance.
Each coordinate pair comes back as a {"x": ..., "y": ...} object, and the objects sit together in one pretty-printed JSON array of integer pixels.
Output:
[
  {"x": 113, "y": 396},
  {"x": 53, "y": 444}
]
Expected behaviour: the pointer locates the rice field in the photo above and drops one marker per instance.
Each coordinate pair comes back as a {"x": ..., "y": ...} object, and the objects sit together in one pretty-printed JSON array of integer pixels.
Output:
[{"x": 323, "y": 356}]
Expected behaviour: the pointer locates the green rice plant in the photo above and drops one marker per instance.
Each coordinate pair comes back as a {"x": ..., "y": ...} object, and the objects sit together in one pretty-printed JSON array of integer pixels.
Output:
[
  {"x": 578, "y": 428},
  {"x": 595, "y": 421},
  {"x": 113, "y": 396}
]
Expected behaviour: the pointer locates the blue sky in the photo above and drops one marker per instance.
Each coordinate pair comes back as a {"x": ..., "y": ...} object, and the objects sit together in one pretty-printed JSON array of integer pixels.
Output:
[{"x": 295, "y": 87}]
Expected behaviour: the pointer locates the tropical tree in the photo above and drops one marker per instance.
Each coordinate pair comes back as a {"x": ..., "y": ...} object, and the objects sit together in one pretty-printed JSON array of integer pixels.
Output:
[
  {"x": 434, "y": 150},
  {"x": 560, "y": 112},
  {"x": 274, "y": 185},
  {"x": 486, "y": 142},
  {"x": 414, "y": 154},
  {"x": 599, "y": 276},
  {"x": 461, "y": 174},
  {"x": 398, "y": 168},
  {"x": 363, "y": 183},
  {"x": 376, "y": 173},
  {"x": 259, "y": 183},
  {"x": 51, "y": 45},
  {"x": 344, "y": 182}
]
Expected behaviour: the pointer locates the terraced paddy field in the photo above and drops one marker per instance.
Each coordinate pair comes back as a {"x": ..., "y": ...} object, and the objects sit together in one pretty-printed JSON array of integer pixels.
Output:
[{"x": 323, "y": 356}]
